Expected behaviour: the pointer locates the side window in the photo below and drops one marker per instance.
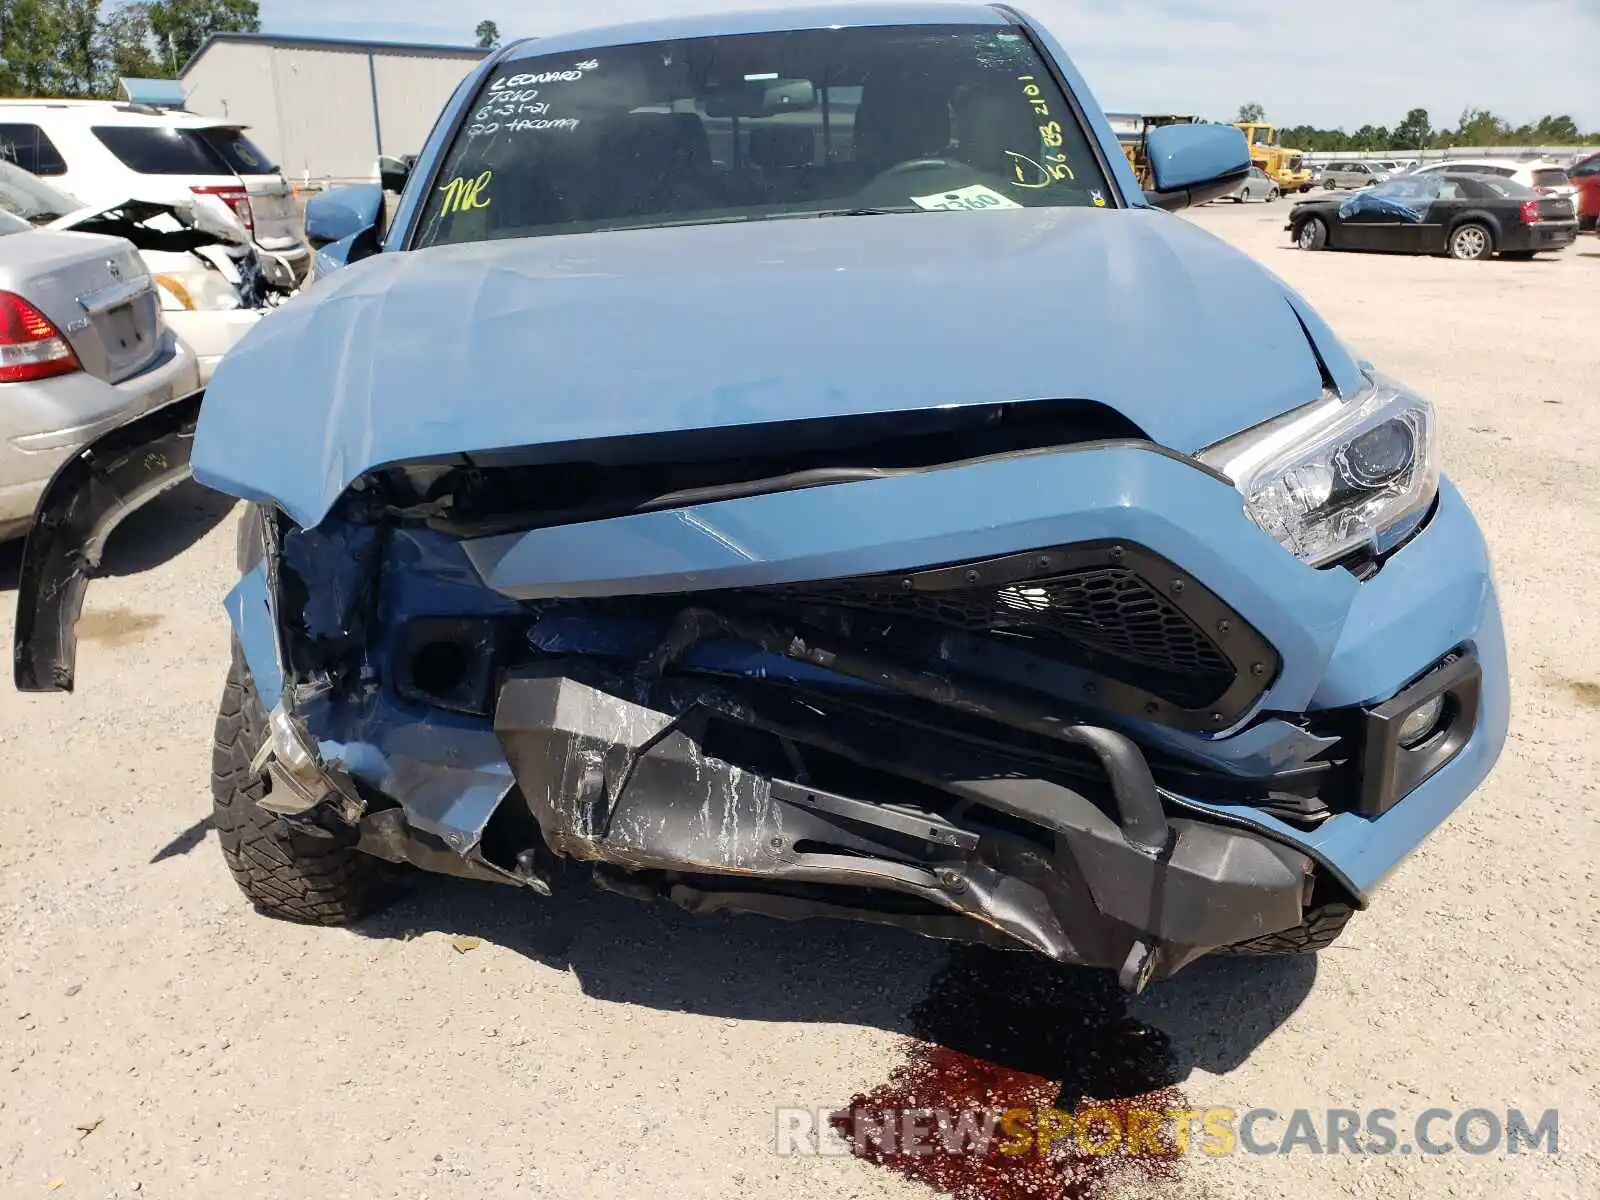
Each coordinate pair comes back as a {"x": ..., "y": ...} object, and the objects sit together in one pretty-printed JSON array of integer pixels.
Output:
[
  {"x": 1450, "y": 190},
  {"x": 28, "y": 147},
  {"x": 1503, "y": 172}
]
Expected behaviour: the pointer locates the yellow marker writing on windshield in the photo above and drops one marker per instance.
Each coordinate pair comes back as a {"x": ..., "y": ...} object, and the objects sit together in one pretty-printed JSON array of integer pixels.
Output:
[
  {"x": 1052, "y": 169},
  {"x": 462, "y": 194}
]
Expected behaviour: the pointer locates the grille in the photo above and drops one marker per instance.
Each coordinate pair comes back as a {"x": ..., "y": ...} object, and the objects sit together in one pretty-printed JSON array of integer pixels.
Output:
[{"x": 1101, "y": 615}]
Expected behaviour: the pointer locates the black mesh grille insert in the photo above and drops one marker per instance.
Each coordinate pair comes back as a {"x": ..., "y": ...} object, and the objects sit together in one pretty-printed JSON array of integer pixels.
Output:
[
  {"x": 1094, "y": 606},
  {"x": 1110, "y": 610}
]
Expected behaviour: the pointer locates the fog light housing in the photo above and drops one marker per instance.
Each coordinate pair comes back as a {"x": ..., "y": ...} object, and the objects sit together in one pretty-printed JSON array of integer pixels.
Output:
[
  {"x": 450, "y": 662},
  {"x": 1408, "y": 738},
  {"x": 1417, "y": 727}
]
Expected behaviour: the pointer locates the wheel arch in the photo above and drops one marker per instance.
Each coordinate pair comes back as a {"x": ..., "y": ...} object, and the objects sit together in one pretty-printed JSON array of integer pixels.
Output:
[{"x": 1475, "y": 216}]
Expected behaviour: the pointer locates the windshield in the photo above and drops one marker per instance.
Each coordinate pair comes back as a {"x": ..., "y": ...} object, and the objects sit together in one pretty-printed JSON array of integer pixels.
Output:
[
  {"x": 29, "y": 197},
  {"x": 756, "y": 126}
]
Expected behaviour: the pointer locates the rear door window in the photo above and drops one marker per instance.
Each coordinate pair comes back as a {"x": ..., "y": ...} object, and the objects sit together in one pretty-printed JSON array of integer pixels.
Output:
[
  {"x": 238, "y": 151},
  {"x": 1510, "y": 189},
  {"x": 28, "y": 147},
  {"x": 158, "y": 150}
]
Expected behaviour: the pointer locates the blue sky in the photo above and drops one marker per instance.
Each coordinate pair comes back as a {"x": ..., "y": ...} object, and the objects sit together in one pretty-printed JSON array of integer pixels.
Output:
[{"x": 1349, "y": 62}]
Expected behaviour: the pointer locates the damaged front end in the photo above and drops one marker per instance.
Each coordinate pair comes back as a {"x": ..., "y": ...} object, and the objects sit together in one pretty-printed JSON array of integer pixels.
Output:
[
  {"x": 1012, "y": 674},
  {"x": 857, "y": 695}
]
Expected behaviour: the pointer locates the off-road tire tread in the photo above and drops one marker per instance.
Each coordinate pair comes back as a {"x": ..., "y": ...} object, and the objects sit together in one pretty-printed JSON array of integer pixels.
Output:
[
  {"x": 1319, "y": 930},
  {"x": 284, "y": 874}
]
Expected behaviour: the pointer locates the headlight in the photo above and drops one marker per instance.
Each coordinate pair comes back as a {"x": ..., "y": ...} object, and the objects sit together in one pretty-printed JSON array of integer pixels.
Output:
[
  {"x": 1337, "y": 475},
  {"x": 196, "y": 291}
]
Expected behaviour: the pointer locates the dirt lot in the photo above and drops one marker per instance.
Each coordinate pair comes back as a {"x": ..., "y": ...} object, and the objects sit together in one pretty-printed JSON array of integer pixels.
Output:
[{"x": 158, "y": 1038}]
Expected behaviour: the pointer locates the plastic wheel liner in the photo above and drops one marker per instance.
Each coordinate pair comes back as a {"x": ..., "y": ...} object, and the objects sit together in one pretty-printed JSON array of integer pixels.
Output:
[{"x": 88, "y": 497}]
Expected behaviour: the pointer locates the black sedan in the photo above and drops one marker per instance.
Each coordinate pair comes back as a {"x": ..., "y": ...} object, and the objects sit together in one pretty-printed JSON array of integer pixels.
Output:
[{"x": 1462, "y": 215}]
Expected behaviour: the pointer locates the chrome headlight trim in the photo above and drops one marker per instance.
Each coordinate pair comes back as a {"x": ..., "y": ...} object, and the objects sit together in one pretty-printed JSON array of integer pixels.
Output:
[{"x": 1336, "y": 475}]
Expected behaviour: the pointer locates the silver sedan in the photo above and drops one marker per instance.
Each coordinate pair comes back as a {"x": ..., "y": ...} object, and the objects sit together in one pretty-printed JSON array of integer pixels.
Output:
[
  {"x": 83, "y": 349},
  {"x": 1256, "y": 186}
]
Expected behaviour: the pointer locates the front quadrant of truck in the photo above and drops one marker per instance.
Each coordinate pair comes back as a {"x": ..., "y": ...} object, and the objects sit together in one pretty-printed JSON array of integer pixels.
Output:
[{"x": 784, "y": 463}]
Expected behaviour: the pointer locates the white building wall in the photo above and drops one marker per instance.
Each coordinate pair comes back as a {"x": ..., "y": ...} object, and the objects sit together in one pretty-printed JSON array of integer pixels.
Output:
[
  {"x": 234, "y": 80},
  {"x": 412, "y": 91},
  {"x": 321, "y": 110}
]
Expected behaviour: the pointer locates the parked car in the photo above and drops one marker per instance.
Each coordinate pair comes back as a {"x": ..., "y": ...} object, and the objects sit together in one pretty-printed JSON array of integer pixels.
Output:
[
  {"x": 1540, "y": 174},
  {"x": 1463, "y": 215},
  {"x": 1585, "y": 176},
  {"x": 685, "y": 488},
  {"x": 1351, "y": 174},
  {"x": 104, "y": 152},
  {"x": 1256, "y": 186},
  {"x": 84, "y": 349},
  {"x": 210, "y": 280}
]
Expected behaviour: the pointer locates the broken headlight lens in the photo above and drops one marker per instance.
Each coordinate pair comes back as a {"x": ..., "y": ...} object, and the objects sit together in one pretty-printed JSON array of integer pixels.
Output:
[
  {"x": 1337, "y": 475},
  {"x": 196, "y": 291}
]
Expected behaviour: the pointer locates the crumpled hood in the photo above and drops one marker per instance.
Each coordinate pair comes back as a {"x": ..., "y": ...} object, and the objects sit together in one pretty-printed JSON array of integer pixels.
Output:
[{"x": 571, "y": 338}]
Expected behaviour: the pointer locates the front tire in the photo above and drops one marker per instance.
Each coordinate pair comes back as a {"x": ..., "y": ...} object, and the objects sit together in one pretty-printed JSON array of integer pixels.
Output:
[
  {"x": 1319, "y": 929},
  {"x": 1471, "y": 242},
  {"x": 1273, "y": 195},
  {"x": 1312, "y": 234},
  {"x": 292, "y": 876}
]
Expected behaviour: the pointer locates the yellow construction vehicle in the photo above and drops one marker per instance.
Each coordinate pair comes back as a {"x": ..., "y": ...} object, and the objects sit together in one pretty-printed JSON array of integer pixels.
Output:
[{"x": 1285, "y": 167}]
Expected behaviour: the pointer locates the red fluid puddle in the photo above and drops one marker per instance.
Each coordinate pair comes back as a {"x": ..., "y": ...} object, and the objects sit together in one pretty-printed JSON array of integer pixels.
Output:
[{"x": 1010, "y": 1031}]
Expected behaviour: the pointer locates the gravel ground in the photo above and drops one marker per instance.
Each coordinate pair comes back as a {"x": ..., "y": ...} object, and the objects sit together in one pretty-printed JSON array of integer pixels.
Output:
[{"x": 158, "y": 1038}]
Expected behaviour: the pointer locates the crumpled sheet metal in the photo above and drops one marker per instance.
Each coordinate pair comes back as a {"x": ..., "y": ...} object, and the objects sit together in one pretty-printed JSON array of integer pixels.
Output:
[{"x": 358, "y": 372}]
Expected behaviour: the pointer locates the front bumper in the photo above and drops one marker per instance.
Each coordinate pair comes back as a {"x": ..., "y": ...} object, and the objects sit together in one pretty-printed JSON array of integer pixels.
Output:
[{"x": 611, "y": 711}]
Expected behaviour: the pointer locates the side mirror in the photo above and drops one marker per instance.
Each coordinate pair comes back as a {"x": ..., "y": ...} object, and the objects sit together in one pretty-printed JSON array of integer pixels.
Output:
[
  {"x": 342, "y": 213},
  {"x": 393, "y": 172},
  {"x": 343, "y": 226},
  {"x": 1190, "y": 164}
]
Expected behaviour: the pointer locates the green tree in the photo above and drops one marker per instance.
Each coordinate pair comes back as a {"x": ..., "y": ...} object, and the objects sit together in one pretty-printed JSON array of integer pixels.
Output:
[
  {"x": 180, "y": 27},
  {"x": 1480, "y": 127},
  {"x": 76, "y": 68},
  {"x": 488, "y": 35},
  {"x": 1413, "y": 133},
  {"x": 124, "y": 47},
  {"x": 1561, "y": 131},
  {"x": 31, "y": 35},
  {"x": 1251, "y": 113}
]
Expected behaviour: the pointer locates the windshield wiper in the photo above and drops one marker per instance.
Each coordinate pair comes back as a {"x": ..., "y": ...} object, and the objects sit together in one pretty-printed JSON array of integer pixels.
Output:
[{"x": 858, "y": 211}]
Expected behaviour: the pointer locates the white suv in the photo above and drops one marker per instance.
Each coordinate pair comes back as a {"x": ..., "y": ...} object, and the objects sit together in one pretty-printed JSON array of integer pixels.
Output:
[
  {"x": 1543, "y": 176},
  {"x": 104, "y": 152}
]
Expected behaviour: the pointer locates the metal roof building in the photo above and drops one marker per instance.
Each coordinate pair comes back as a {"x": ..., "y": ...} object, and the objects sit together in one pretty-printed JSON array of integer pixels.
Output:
[{"x": 325, "y": 108}]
